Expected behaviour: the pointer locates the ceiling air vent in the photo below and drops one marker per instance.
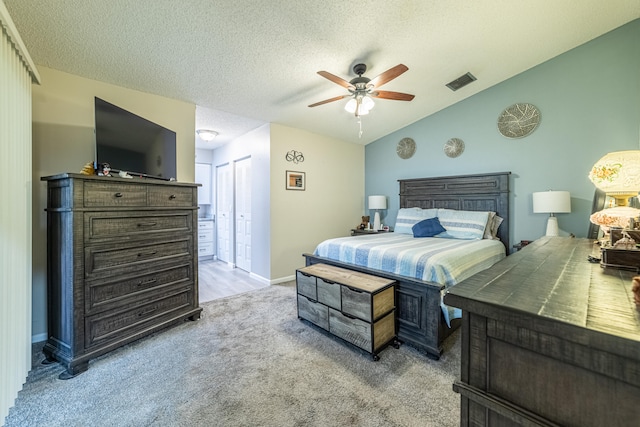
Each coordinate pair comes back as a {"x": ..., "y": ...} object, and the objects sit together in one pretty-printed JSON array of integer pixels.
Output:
[{"x": 461, "y": 81}]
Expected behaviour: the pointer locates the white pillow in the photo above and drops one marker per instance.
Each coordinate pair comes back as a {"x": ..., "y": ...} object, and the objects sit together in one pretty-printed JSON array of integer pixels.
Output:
[
  {"x": 463, "y": 224},
  {"x": 495, "y": 225},
  {"x": 408, "y": 217}
]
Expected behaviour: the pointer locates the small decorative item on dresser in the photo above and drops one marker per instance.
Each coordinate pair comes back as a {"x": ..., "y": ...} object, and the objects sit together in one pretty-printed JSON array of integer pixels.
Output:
[
  {"x": 104, "y": 169},
  {"x": 88, "y": 169}
]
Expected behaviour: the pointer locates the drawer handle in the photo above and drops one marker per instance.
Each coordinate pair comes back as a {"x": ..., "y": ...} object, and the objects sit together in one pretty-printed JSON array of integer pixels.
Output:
[
  {"x": 304, "y": 274},
  {"x": 171, "y": 197},
  {"x": 118, "y": 195},
  {"x": 308, "y": 298},
  {"x": 147, "y": 253},
  {"x": 358, "y": 291},
  {"x": 147, "y": 224},
  {"x": 328, "y": 281},
  {"x": 348, "y": 315},
  {"x": 148, "y": 282}
]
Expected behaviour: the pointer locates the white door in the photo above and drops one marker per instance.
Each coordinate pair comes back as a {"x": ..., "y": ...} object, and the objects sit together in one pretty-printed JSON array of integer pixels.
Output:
[
  {"x": 224, "y": 212},
  {"x": 243, "y": 214},
  {"x": 203, "y": 176}
]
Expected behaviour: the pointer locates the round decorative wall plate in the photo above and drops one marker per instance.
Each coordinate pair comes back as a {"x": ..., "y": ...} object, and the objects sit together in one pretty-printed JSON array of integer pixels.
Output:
[
  {"x": 518, "y": 120},
  {"x": 453, "y": 147},
  {"x": 406, "y": 148}
]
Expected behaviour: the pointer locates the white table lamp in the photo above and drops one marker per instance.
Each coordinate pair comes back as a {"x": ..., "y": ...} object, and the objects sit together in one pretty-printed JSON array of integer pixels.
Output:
[
  {"x": 552, "y": 202},
  {"x": 376, "y": 203}
]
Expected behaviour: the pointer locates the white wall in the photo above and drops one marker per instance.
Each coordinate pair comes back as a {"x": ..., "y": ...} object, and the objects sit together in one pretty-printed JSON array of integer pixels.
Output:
[
  {"x": 63, "y": 141},
  {"x": 331, "y": 205}
]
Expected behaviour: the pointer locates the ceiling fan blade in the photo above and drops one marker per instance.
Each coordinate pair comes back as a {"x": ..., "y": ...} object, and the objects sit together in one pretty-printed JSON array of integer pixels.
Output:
[
  {"x": 398, "y": 96},
  {"x": 326, "y": 101},
  {"x": 342, "y": 82},
  {"x": 388, "y": 75}
]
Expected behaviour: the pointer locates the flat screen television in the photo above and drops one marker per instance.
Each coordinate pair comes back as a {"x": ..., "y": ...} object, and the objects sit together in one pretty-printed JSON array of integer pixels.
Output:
[{"x": 130, "y": 143}]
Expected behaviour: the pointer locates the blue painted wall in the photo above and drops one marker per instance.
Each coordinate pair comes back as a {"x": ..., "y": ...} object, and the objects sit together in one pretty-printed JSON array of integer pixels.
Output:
[{"x": 589, "y": 99}]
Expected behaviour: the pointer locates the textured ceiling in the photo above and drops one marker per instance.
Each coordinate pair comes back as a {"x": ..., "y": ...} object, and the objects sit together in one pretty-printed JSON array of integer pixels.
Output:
[{"x": 245, "y": 63}]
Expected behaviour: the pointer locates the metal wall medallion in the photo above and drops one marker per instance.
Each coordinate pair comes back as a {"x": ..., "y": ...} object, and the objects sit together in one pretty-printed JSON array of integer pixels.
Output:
[
  {"x": 406, "y": 148},
  {"x": 453, "y": 147},
  {"x": 518, "y": 120}
]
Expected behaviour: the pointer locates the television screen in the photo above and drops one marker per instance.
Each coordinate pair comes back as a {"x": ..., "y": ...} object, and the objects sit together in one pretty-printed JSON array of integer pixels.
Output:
[{"x": 133, "y": 144}]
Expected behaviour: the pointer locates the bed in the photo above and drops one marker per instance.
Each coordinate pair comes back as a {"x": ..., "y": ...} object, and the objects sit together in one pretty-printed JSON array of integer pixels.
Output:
[{"x": 423, "y": 321}]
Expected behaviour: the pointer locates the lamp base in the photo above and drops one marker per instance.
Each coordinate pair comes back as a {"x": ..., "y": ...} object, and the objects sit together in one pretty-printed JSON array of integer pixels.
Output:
[
  {"x": 552, "y": 226},
  {"x": 376, "y": 221}
]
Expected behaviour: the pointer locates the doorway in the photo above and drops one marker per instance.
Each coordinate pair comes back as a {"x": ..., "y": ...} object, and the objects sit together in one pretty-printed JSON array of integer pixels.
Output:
[
  {"x": 224, "y": 210},
  {"x": 243, "y": 214}
]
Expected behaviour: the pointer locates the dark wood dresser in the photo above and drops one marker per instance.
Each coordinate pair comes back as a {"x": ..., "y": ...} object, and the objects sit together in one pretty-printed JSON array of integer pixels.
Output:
[
  {"x": 121, "y": 263},
  {"x": 549, "y": 339}
]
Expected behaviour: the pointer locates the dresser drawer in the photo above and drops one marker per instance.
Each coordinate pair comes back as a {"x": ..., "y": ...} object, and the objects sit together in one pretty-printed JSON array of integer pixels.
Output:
[
  {"x": 355, "y": 331},
  {"x": 314, "y": 312},
  {"x": 114, "y": 194},
  {"x": 306, "y": 285},
  {"x": 105, "y": 226},
  {"x": 103, "y": 261},
  {"x": 205, "y": 236},
  {"x": 103, "y": 294},
  {"x": 118, "y": 324},
  {"x": 173, "y": 196},
  {"x": 356, "y": 303},
  {"x": 205, "y": 249},
  {"x": 328, "y": 293},
  {"x": 205, "y": 225}
]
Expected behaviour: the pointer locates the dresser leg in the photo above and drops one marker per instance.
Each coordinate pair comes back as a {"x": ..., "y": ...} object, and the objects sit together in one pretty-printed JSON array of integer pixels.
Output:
[
  {"x": 48, "y": 361},
  {"x": 74, "y": 371}
]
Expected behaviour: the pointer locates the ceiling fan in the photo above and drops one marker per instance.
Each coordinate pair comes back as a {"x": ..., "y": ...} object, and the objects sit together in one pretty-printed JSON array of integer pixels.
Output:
[{"x": 362, "y": 89}]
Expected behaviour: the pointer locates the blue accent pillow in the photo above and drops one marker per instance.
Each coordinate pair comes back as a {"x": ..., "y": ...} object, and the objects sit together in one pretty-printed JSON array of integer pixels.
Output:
[{"x": 427, "y": 228}]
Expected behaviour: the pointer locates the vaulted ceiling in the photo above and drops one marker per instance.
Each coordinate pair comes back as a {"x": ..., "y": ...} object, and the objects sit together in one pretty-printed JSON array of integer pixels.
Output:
[{"x": 249, "y": 62}]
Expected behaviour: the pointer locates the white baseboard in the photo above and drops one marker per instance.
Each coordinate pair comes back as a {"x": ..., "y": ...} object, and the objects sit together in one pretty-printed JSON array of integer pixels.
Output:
[
  {"x": 282, "y": 280},
  {"x": 273, "y": 281}
]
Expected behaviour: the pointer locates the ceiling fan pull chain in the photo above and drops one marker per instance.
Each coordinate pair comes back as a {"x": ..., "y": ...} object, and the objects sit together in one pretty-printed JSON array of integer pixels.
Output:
[{"x": 360, "y": 125}]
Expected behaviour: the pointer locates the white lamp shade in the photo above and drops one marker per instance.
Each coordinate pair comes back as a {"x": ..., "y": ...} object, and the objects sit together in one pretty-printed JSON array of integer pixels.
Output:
[
  {"x": 617, "y": 172},
  {"x": 377, "y": 202},
  {"x": 552, "y": 202},
  {"x": 614, "y": 217}
]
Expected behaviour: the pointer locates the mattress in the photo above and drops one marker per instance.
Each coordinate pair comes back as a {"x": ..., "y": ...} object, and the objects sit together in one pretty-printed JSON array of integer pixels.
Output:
[{"x": 438, "y": 260}]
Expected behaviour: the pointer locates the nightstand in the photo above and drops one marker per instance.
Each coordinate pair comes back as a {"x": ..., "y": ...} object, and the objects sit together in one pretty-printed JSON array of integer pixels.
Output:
[
  {"x": 522, "y": 244},
  {"x": 355, "y": 231}
]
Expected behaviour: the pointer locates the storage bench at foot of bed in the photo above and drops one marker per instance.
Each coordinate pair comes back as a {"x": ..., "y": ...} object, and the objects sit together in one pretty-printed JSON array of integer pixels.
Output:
[
  {"x": 358, "y": 308},
  {"x": 419, "y": 319}
]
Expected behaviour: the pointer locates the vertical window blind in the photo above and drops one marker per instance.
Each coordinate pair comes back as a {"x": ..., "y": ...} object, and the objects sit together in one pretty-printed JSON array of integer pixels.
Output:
[{"x": 17, "y": 73}]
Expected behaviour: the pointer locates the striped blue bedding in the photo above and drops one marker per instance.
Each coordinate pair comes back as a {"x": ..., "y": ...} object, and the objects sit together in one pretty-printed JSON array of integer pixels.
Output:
[{"x": 443, "y": 261}]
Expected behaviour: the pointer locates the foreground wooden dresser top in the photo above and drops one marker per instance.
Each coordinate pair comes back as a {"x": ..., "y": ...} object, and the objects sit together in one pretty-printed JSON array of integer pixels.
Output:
[
  {"x": 553, "y": 280},
  {"x": 549, "y": 339}
]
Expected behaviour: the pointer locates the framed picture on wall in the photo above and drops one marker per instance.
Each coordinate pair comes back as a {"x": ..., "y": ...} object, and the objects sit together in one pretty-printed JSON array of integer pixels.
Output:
[{"x": 295, "y": 180}]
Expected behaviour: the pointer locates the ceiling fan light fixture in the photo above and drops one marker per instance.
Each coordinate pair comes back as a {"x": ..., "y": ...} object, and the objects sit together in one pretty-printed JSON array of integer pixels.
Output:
[
  {"x": 206, "y": 134},
  {"x": 366, "y": 104},
  {"x": 350, "y": 106}
]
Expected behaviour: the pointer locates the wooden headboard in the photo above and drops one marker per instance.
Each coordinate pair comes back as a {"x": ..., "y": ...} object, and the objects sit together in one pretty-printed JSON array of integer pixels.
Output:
[{"x": 482, "y": 192}]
